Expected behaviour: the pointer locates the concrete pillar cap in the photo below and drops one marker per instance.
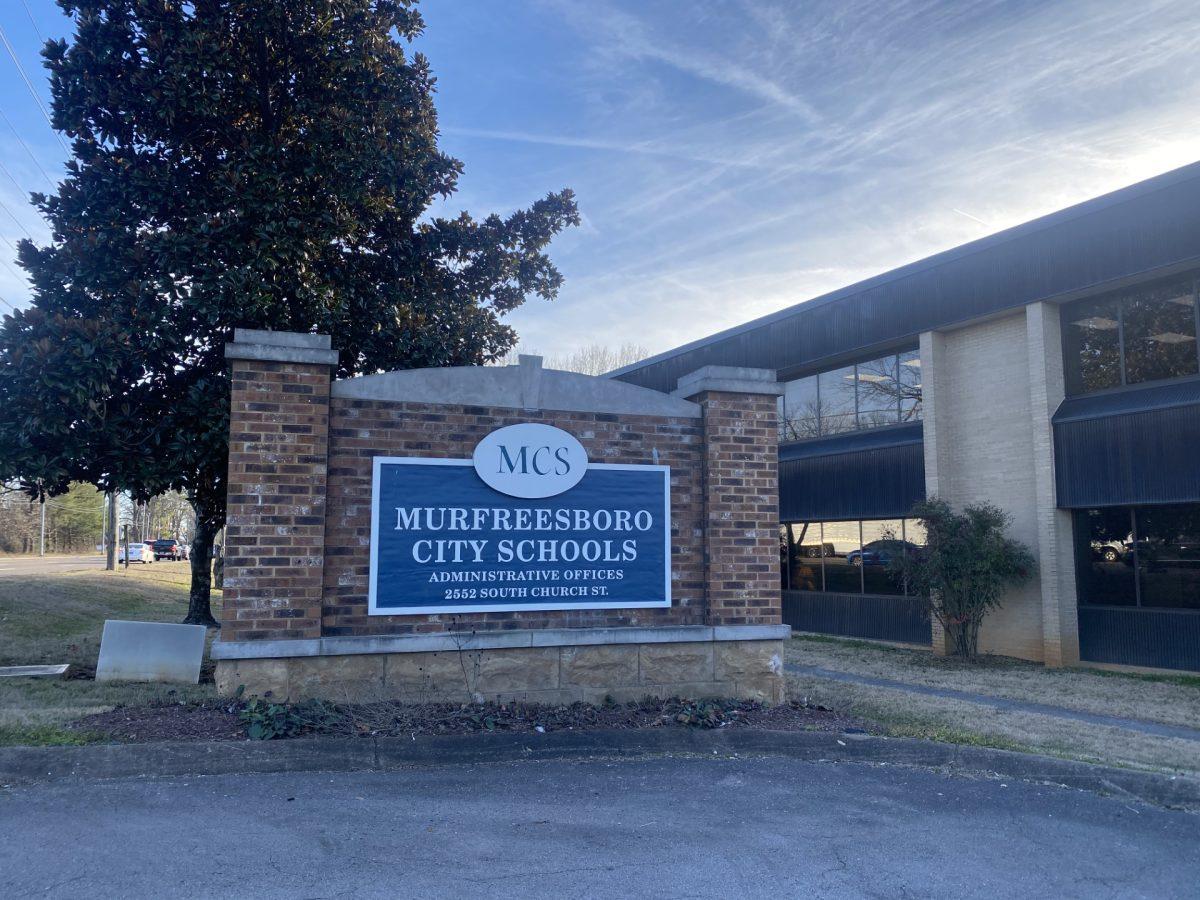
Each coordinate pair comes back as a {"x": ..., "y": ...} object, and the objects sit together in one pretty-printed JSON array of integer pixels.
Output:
[
  {"x": 281, "y": 346},
  {"x": 729, "y": 380}
]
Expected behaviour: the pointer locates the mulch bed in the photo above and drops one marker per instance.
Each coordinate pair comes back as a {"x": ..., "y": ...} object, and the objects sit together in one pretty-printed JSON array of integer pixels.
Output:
[
  {"x": 222, "y": 721},
  {"x": 165, "y": 722}
]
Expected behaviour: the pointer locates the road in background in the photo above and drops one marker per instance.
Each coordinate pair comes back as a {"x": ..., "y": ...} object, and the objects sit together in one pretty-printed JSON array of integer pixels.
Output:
[
  {"x": 674, "y": 827},
  {"x": 46, "y": 565}
]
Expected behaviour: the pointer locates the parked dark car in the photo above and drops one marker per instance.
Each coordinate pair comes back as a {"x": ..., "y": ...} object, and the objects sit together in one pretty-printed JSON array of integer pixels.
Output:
[
  {"x": 881, "y": 552},
  {"x": 164, "y": 548}
]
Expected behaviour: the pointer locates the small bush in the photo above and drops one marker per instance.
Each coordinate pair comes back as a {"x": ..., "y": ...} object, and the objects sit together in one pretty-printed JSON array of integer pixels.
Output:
[{"x": 967, "y": 564}]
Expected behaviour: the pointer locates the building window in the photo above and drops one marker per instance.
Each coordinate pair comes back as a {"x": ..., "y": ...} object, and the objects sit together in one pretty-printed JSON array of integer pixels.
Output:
[
  {"x": 1148, "y": 334},
  {"x": 851, "y": 557},
  {"x": 870, "y": 394},
  {"x": 1146, "y": 557}
]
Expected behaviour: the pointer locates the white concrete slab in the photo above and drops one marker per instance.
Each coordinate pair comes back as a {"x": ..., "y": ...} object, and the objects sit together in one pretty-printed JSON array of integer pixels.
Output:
[
  {"x": 57, "y": 671},
  {"x": 150, "y": 651}
]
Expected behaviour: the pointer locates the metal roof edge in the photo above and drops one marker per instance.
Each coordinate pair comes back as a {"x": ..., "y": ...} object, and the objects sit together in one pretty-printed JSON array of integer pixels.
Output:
[
  {"x": 867, "y": 439},
  {"x": 1129, "y": 400},
  {"x": 1093, "y": 205}
]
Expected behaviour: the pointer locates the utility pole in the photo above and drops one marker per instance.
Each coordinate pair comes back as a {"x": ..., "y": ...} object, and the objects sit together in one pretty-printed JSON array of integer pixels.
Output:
[
  {"x": 125, "y": 531},
  {"x": 110, "y": 533},
  {"x": 42, "y": 546}
]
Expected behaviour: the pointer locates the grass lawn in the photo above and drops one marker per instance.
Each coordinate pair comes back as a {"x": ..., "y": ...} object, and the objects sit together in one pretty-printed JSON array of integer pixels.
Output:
[
  {"x": 56, "y": 618},
  {"x": 1173, "y": 700}
]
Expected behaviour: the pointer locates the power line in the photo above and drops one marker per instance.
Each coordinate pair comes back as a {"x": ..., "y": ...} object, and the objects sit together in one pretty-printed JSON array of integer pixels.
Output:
[
  {"x": 16, "y": 184},
  {"x": 32, "y": 92},
  {"x": 15, "y": 274},
  {"x": 21, "y": 141},
  {"x": 9, "y": 305},
  {"x": 33, "y": 22},
  {"x": 11, "y": 245},
  {"x": 20, "y": 225}
]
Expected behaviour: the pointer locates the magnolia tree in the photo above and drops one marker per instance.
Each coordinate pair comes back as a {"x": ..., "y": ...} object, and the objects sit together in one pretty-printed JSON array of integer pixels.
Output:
[
  {"x": 259, "y": 163},
  {"x": 965, "y": 568}
]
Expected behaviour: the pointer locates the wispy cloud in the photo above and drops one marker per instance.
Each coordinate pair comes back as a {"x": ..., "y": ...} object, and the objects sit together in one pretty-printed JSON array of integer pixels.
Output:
[
  {"x": 862, "y": 141},
  {"x": 620, "y": 34}
]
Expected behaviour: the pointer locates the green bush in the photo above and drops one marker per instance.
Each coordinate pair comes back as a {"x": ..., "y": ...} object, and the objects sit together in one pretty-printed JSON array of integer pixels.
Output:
[{"x": 964, "y": 569}]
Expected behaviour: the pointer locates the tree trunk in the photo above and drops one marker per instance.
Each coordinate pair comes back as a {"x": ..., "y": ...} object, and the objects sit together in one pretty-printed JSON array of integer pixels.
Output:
[
  {"x": 964, "y": 636},
  {"x": 199, "y": 608},
  {"x": 110, "y": 534}
]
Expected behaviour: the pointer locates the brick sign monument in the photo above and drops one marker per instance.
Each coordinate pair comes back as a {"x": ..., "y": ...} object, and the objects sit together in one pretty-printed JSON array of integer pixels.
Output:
[{"x": 497, "y": 532}]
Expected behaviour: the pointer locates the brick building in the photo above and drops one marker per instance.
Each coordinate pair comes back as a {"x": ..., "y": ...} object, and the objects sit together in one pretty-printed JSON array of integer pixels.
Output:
[
  {"x": 1052, "y": 369},
  {"x": 299, "y": 533}
]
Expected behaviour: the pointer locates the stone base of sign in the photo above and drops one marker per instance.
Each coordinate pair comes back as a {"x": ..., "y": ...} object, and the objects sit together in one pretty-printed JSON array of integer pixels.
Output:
[{"x": 559, "y": 668}]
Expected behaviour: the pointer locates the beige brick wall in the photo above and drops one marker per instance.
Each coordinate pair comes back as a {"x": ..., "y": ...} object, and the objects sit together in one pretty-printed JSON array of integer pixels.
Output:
[
  {"x": 1055, "y": 543},
  {"x": 980, "y": 447}
]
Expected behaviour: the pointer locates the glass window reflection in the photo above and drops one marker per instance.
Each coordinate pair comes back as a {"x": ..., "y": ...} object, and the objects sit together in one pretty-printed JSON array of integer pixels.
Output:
[
  {"x": 837, "y": 400},
  {"x": 870, "y": 394},
  {"x": 842, "y": 575},
  {"x": 1146, "y": 556},
  {"x": 1168, "y": 556},
  {"x": 883, "y": 542},
  {"x": 1104, "y": 571},
  {"x": 1093, "y": 346},
  {"x": 909, "y": 372},
  {"x": 1138, "y": 336},
  {"x": 878, "y": 392},
  {"x": 801, "y": 410},
  {"x": 847, "y": 557},
  {"x": 1160, "y": 335}
]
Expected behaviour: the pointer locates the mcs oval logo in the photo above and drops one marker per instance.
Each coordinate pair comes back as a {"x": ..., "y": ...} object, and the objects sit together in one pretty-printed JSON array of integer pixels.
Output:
[{"x": 530, "y": 460}]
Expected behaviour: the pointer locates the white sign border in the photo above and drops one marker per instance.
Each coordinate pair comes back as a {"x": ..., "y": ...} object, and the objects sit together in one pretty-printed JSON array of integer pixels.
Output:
[{"x": 377, "y": 464}]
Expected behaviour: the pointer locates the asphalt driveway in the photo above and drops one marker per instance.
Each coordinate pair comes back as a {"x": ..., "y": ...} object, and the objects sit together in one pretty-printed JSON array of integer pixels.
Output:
[{"x": 677, "y": 827}]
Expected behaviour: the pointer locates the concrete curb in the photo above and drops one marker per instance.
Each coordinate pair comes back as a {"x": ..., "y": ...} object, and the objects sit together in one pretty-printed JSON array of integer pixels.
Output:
[{"x": 330, "y": 754}]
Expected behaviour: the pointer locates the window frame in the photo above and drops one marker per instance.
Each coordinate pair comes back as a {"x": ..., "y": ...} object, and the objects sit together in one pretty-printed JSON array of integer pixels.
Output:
[
  {"x": 821, "y": 523},
  {"x": 1135, "y": 532},
  {"x": 897, "y": 411},
  {"x": 1122, "y": 298}
]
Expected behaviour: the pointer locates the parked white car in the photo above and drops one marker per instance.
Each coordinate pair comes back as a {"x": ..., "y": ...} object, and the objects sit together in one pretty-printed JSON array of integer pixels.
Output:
[{"x": 139, "y": 551}]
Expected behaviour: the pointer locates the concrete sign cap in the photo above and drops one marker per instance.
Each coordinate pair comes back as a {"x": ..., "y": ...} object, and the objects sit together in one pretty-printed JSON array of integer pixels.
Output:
[{"x": 530, "y": 460}]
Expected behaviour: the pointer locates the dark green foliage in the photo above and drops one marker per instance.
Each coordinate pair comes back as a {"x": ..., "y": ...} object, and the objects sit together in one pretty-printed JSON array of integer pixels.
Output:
[
  {"x": 965, "y": 568},
  {"x": 265, "y": 721},
  {"x": 257, "y": 163}
]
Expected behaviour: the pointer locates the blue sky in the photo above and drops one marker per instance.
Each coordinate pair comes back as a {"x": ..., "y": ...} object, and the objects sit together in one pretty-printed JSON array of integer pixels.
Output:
[{"x": 732, "y": 157}]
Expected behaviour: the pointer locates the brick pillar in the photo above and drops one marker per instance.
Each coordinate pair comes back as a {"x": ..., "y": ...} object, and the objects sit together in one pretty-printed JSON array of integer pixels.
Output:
[
  {"x": 741, "y": 492},
  {"x": 275, "y": 511}
]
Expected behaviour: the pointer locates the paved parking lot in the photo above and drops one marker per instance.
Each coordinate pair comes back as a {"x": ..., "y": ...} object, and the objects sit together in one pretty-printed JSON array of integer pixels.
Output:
[{"x": 676, "y": 827}]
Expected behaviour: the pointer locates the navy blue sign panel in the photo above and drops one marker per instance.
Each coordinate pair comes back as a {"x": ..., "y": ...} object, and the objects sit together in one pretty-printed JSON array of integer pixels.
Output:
[{"x": 443, "y": 541}]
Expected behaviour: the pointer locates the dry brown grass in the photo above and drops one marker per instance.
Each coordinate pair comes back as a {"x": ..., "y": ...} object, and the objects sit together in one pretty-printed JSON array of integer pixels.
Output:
[{"x": 1172, "y": 701}]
